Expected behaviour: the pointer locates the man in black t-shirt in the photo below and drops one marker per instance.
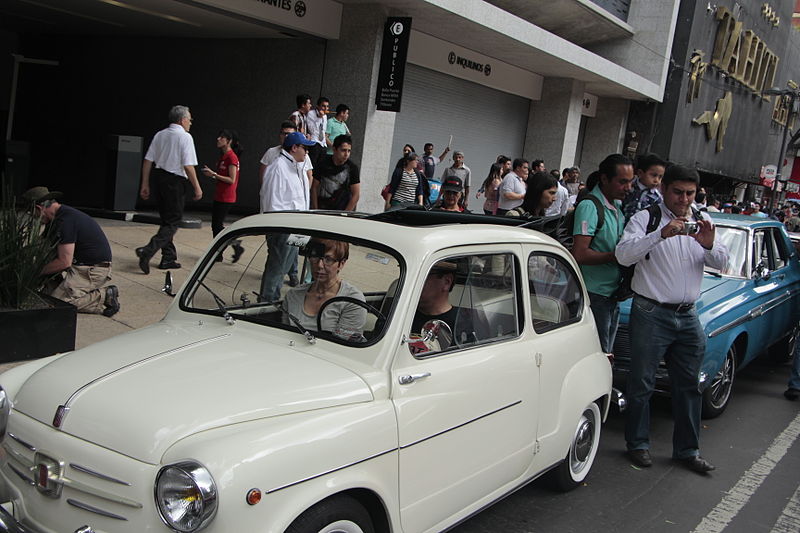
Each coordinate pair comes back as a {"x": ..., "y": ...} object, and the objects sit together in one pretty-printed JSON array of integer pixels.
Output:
[
  {"x": 83, "y": 261},
  {"x": 337, "y": 184},
  {"x": 434, "y": 304}
]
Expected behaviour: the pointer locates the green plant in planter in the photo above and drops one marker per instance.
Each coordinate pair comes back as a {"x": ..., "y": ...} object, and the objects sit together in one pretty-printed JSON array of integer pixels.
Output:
[{"x": 25, "y": 247}]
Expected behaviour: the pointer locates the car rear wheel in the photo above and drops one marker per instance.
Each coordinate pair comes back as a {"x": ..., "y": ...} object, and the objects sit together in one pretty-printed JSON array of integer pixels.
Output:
[
  {"x": 582, "y": 451},
  {"x": 718, "y": 393},
  {"x": 338, "y": 514}
]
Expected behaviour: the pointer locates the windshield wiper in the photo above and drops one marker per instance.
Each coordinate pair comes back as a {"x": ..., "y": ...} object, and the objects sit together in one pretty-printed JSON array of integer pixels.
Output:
[
  {"x": 715, "y": 274},
  {"x": 294, "y": 320},
  {"x": 220, "y": 304}
]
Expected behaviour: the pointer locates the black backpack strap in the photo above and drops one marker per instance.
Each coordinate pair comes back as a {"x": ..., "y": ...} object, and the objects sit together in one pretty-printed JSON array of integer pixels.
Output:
[
  {"x": 601, "y": 212},
  {"x": 655, "y": 218}
]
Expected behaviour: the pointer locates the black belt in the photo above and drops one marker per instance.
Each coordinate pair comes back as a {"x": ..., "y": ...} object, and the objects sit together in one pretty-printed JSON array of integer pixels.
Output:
[
  {"x": 104, "y": 264},
  {"x": 674, "y": 307}
]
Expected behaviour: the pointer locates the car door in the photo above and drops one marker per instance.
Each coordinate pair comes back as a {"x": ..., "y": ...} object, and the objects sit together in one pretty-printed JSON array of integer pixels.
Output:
[
  {"x": 780, "y": 309},
  {"x": 770, "y": 301},
  {"x": 466, "y": 413},
  {"x": 557, "y": 305}
]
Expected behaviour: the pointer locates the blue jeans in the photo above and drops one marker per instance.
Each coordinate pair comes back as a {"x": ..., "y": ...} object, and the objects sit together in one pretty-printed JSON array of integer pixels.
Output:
[
  {"x": 279, "y": 258},
  {"x": 794, "y": 379},
  {"x": 606, "y": 317},
  {"x": 678, "y": 337}
]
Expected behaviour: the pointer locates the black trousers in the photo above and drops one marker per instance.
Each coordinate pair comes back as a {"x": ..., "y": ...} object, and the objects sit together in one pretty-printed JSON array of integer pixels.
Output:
[
  {"x": 170, "y": 190},
  {"x": 218, "y": 213}
]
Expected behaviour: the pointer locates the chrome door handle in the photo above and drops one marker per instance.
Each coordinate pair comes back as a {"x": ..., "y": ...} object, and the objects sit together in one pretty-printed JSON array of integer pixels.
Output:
[{"x": 411, "y": 378}]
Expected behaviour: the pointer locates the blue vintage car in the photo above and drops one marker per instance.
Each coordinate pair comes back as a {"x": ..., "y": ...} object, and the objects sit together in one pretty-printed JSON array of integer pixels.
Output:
[{"x": 749, "y": 308}]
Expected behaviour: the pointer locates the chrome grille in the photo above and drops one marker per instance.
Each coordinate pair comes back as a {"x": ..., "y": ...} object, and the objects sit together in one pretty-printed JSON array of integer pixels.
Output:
[{"x": 98, "y": 498}]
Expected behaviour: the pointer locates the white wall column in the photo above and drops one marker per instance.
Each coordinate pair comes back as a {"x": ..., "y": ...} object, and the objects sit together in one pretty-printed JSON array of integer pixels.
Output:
[
  {"x": 350, "y": 77},
  {"x": 554, "y": 123},
  {"x": 605, "y": 133}
]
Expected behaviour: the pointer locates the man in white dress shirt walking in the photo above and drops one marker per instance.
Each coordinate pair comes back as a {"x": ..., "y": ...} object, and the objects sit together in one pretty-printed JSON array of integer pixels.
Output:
[{"x": 172, "y": 154}]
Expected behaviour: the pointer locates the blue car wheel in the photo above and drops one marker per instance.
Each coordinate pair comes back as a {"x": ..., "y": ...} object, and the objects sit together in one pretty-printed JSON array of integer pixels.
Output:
[{"x": 718, "y": 393}]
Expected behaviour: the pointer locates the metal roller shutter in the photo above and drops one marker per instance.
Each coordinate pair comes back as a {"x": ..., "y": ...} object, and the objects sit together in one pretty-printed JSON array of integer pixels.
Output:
[{"x": 484, "y": 122}]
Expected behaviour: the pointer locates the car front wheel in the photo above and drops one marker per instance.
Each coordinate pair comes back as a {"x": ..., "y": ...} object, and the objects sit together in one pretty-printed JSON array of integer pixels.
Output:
[
  {"x": 582, "y": 450},
  {"x": 718, "y": 393},
  {"x": 338, "y": 514}
]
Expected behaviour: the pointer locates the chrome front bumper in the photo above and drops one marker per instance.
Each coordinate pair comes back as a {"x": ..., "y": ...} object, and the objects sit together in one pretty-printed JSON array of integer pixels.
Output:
[{"x": 8, "y": 524}]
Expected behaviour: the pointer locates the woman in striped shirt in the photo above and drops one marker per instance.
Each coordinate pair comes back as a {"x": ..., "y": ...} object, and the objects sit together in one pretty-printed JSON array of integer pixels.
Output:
[{"x": 406, "y": 184}]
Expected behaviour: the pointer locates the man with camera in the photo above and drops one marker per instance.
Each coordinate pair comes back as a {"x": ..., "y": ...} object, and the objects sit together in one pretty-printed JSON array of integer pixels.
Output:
[{"x": 669, "y": 263}]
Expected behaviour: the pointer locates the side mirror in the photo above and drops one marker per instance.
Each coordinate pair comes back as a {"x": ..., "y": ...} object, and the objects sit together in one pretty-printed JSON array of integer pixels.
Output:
[
  {"x": 436, "y": 336},
  {"x": 762, "y": 272}
]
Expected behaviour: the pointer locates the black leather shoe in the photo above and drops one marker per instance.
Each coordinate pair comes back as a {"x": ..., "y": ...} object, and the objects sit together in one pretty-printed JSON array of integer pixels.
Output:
[
  {"x": 111, "y": 301},
  {"x": 698, "y": 464},
  {"x": 792, "y": 394},
  {"x": 238, "y": 250},
  {"x": 144, "y": 261},
  {"x": 640, "y": 458},
  {"x": 168, "y": 265}
]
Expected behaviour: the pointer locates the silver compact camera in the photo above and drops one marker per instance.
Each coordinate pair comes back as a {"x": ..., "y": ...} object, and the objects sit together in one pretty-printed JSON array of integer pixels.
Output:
[{"x": 690, "y": 228}]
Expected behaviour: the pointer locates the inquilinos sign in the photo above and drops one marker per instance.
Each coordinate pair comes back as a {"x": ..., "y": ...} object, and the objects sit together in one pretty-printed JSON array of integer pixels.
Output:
[{"x": 393, "y": 63}]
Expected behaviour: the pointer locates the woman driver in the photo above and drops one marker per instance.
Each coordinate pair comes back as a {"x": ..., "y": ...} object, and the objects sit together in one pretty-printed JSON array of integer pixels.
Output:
[{"x": 344, "y": 319}]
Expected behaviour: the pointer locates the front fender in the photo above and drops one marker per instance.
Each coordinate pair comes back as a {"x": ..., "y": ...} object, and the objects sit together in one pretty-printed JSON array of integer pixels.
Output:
[
  {"x": 296, "y": 461},
  {"x": 13, "y": 379},
  {"x": 717, "y": 349}
]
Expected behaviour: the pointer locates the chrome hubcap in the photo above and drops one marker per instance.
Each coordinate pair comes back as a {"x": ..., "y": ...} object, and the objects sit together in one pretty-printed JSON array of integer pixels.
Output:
[{"x": 721, "y": 386}]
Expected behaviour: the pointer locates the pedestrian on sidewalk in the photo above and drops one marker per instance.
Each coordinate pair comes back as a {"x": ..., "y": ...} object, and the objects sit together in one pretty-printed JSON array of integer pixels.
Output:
[
  {"x": 172, "y": 153},
  {"x": 83, "y": 256},
  {"x": 227, "y": 179}
]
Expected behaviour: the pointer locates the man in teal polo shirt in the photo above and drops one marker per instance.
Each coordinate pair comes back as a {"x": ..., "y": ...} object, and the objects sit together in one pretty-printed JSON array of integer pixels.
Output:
[
  {"x": 336, "y": 126},
  {"x": 594, "y": 247}
]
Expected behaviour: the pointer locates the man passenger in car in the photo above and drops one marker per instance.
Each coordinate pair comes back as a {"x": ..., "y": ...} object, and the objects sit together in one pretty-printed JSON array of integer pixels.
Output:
[
  {"x": 664, "y": 322},
  {"x": 434, "y": 304}
]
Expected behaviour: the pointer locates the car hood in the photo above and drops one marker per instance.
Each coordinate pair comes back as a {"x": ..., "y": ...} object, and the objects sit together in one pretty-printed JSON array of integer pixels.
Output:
[
  {"x": 142, "y": 391},
  {"x": 714, "y": 290}
]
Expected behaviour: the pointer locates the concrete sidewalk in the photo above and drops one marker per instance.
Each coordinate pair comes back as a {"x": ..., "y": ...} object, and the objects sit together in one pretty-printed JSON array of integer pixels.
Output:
[{"x": 141, "y": 300}]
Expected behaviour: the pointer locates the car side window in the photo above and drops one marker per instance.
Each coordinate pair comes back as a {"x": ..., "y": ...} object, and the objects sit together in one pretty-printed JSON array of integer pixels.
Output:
[
  {"x": 476, "y": 297},
  {"x": 780, "y": 253},
  {"x": 556, "y": 295}
]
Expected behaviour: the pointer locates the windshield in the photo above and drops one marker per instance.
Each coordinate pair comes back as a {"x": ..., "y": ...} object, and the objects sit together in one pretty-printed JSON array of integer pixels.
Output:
[
  {"x": 344, "y": 288},
  {"x": 735, "y": 239}
]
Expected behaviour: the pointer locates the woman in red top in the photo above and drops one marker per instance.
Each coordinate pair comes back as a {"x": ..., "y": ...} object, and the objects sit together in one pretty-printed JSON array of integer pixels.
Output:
[{"x": 227, "y": 178}]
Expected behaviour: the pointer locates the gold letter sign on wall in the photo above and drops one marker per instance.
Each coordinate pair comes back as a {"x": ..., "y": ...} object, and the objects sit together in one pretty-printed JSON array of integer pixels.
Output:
[
  {"x": 716, "y": 122},
  {"x": 742, "y": 54}
]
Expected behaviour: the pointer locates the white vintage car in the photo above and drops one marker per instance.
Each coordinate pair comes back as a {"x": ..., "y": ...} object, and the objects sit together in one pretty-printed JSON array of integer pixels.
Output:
[{"x": 241, "y": 413}]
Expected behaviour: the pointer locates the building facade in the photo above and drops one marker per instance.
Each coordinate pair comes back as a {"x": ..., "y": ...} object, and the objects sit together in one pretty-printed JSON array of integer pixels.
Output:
[
  {"x": 543, "y": 79},
  {"x": 714, "y": 116}
]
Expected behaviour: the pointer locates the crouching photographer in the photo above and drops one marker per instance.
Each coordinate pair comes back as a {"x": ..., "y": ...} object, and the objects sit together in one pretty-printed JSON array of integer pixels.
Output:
[{"x": 669, "y": 263}]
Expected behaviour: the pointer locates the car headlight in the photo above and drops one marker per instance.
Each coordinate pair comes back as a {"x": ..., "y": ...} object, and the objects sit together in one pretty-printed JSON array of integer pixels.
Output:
[
  {"x": 186, "y": 496},
  {"x": 5, "y": 410}
]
